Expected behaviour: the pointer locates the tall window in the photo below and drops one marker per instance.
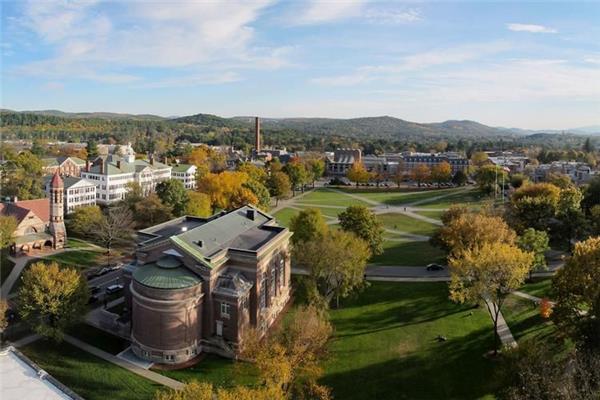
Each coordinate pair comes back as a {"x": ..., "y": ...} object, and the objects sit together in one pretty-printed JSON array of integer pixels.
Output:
[
  {"x": 225, "y": 308},
  {"x": 263, "y": 293},
  {"x": 281, "y": 272}
]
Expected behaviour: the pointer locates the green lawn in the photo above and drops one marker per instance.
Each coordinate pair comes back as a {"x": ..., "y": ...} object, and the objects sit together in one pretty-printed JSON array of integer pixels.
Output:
[
  {"x": 472, "y": 198},
  {"x": 88, "y": 375},
  {"x": 77, "y": 258},
  {"x": 328, "y": 212},
  {"x": 78, "y": 243},
  {"x": 409, "y": 253},
  {"x": 385, "y": 346},
  {"x": 330, "y": 198},
  {"x": 431, "y": 214},
  {"x": 538, "y": 288},
  {"x": 404, "y": 223},
  {"x": 395, "y": 198},
  {"x": 219, "y": 371},
  {"x": 525, "y": 321},
  {"x": 96, "y": 337},
  {"x": 284, "y": 216},
  {"x": 6, "y": 266}
]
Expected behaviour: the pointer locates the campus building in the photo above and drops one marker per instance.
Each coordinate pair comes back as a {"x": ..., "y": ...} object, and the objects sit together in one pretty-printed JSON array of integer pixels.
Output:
[
  {"x": 338, "y": 163},
  {"x": 65, "y": 166},
  {"x": 78, "y": 192},
  {"x": 40, "y": 222},
  {"x": 199, "y": 283},
  {"x": 185, "y": 173},
  {"x": 112, "y": 173}
]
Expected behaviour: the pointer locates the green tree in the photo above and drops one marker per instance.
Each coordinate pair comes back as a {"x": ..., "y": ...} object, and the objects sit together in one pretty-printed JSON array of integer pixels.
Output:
[
  {"x": 8, "y": 226},
  {"x": 22, "y": 177},
  {"x": 84, "y": 221},
  {"x": 38, "y": 148},
  {"x": 261, "y": 193},
  {"x": 199, "y": 205},
  {"x": 489, "y": 273},
  {"x": 479, "y": 159},
  {"x": 588, "y": 146},
  {"x": 460, "y": 178},
  {"x": 297, "y": 173},
  {"x": 92, "y": 149},
  {"x": 254, "y": 172},
  {"x": 534, "y": 206},
  {"x": 51, "y": 299},
  {"x": 536, "y": 243},
  {"x": 308, "y": 224},
  {"x": 151, "y": 211},
  {"x": 591, "y": 196},
  {"x": 577, "y": 289},
  {"x": 279, "y": 186},
  {"x": 134, "y": 194},
  {"x": 489, "y": 177},
  {"x": 518, "y": 180},
  {"x": 336, "y": 262},
  {"x": 316, "y": 167},
  {"x": 3, "y": 321},
  {"x": 559, "y": 180},
  {"x": 363, "y": 223},
  {"x": 172, "y": 193},
  {"x": 420, "y": 174}
]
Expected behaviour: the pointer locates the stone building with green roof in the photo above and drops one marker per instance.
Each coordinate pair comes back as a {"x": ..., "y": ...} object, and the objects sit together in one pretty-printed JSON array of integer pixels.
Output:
[
  {"x": 199, "y": 283},
  {"x": 112, "y": 173}
]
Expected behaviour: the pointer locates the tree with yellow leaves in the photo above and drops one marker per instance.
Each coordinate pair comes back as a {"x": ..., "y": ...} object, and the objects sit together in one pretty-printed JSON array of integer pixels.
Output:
[
  {"x": 420, "y": 174},
  {"x": 52, "y": 298},
  {"x": 358, "y": 174},
  {"x": 490, "y": 273},
  {"x": 198, "y": 205},
  {"x": 441, "y": 172}
]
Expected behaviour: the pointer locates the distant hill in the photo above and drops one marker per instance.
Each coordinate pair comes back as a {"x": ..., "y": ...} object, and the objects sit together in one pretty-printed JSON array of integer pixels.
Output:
[
  {"x": 378, "y": 127},
  {"x": 99, "y": 115}
]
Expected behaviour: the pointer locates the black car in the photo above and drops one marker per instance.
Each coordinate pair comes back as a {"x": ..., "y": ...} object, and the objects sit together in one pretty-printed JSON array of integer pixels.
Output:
[
  {"x": 94, "y": 289},
  {"x": 435, "y": 267},
  {"x": 92, "y": 300}
]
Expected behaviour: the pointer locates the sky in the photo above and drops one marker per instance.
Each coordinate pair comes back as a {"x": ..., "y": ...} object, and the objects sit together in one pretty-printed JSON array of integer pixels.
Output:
[{"x": 512, "y": 64}]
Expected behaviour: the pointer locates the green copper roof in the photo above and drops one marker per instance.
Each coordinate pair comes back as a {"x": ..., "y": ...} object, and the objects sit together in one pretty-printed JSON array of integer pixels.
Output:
[
  {"x": 181, "y": 167},
  {"x": 166, "y": 273}
]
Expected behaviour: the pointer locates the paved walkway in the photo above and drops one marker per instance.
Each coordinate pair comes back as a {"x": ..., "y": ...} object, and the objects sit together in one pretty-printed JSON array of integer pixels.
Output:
[
  {"x": 506, "y": 337},
  {"x": 153, "y": 376},
  {"x": 26, "y": 340}
]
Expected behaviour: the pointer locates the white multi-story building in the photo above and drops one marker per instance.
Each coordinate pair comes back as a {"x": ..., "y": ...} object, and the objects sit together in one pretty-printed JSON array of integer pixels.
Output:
[
  {"x": 78, "y": 192},
  {"x": 112, "y": 173},
  {"x": 185, "y": 173}
]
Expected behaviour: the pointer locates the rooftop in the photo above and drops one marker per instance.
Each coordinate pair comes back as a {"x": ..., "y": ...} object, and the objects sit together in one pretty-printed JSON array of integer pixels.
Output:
[{"x": 166, "y": 273}]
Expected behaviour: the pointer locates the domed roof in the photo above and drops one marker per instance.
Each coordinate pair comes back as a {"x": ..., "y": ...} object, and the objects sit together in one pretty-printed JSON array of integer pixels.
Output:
[{"x": 166, "y": 273}]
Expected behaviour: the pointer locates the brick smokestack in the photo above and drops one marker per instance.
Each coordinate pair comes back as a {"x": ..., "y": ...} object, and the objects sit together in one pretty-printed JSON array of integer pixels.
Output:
[{"x": 257, "y": 134}]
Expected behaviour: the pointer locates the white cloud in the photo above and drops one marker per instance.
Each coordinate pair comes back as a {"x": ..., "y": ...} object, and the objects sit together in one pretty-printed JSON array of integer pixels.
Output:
[
  {"x": 319, "y": 11},
  {"x": 415, "y": 62},
  {"x": 53, "y": 85},
  {"x": 90, "y": 43},
  {"x": 530, "y": 28},
  {"x": 384, "y": 16}
]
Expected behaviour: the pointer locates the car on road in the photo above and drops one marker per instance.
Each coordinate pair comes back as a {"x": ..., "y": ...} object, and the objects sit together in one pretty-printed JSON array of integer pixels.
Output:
[
  {"x": 103, "y": 271},
  {"x": 113, "y": 289},
  {"x": 435, "y": 267}
]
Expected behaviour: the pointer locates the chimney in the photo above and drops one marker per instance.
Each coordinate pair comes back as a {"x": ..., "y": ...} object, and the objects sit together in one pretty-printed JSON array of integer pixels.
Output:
[
  {"x": 257, "y": 134},
  {"x": 200, "y": 243},
  {"x": 119, "y": 164},
  {"x": 250, "y": 214},
  {"x": 87, "y": 165},
  {"x": 101, "y": 167},
  {"x": 151, "y": 159}
]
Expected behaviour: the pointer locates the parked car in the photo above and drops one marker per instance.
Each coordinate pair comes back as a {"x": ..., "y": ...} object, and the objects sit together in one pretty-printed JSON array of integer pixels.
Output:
[
  {"x": 103, "y": 271},
  {"x": 93, "y": 299},
  {"x": 113, "y": 289},
  {"x": 94, "y": 289},
  {"x": 435, "y": 267}
]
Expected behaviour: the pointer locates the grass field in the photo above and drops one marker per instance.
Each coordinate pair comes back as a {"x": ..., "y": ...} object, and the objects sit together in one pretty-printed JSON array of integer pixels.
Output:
[
  {"x": 399, "y": 198},
  {"x": 219, "y": 371},
  {"x": 284, "y": 216},
  {"x": 96, "y": 337},
  {"x": 75, "y": 243},
  {"x": 326, "y": 211},
  {"x": 401, "y": 222},
  {"x": 87, "y": 375},
  {"x": 472, "y": 198},
  {"x": 77, "y": 258},
  {"x": 431, "y": 214},
  {"x": 525, "y": 321},
  {"x": 385, "y": 346},
  {"x": 330, "y": 198},
  {"x": 409, "y": 253},
  {"x": 539, "y": 288}
]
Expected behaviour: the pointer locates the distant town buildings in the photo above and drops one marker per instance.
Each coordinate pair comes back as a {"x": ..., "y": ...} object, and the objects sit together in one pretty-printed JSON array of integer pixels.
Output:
[
  {"x": 199, "y": 283},
  {"x": 338, "y": 163}
]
